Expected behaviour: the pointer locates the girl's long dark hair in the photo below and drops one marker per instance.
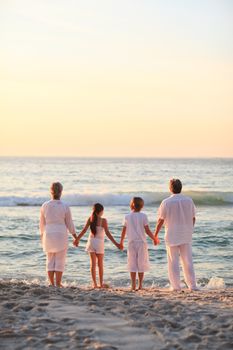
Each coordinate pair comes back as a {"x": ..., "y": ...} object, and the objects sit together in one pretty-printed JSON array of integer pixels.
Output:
[{"x": 97, "y": 208}]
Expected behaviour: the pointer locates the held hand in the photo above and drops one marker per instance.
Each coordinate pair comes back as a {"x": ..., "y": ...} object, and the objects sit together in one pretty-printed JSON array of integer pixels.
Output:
[
  {"x": 121, "y": 246},
  {"x": 76, "y": 242},
  {"x": 118, "y": 245},
  {"x": 156, "y": 240}
]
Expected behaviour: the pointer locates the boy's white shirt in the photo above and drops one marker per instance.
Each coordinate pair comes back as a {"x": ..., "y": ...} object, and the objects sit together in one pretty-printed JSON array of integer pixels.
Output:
[{"x": 135, "y": 223}]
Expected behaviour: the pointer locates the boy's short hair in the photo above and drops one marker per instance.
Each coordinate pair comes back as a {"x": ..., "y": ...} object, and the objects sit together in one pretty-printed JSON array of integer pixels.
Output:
[
  {"x": 137, "y": 203},
  {"x": 175, "y": 185}
]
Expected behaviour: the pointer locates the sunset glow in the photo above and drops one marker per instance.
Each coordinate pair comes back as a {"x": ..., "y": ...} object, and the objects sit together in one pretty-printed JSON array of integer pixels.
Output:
[{"x": 116, "y": 78}]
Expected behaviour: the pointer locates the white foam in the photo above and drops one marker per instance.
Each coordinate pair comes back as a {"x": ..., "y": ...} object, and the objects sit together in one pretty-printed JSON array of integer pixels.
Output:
[
  {"x": 119, "y": 199},
  {"x": 215, "y": 283}
]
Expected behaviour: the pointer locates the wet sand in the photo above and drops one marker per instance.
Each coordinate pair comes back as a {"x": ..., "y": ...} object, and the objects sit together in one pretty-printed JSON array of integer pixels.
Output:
[{"x": 39, "y": 317}]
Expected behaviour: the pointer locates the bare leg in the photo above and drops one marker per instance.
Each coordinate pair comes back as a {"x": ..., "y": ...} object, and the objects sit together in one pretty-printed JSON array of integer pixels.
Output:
[
  {"x": 51, "y": 277},
  {"x": 58, "y": 278},
  {"x": 140, "y": 279},
  {"x": 133, "y": 280},
  {"x": 93, "y": 268},
  {"x": 100, "y": 258}
]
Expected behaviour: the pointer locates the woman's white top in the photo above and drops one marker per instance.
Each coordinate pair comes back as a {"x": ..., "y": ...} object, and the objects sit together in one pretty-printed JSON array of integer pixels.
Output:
[
  {"x": 135, "y": 223},
  {"x": 55, "y": 222}
]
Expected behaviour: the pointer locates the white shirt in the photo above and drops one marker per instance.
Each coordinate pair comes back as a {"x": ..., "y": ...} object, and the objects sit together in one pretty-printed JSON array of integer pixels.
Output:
[
  {"x": 55, "y": 222},
  {"x": 135, "y": 223},
  {"x": 178, "y": 212}
]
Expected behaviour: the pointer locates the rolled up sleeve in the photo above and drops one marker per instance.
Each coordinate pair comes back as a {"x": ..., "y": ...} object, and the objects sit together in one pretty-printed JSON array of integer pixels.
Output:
[
  {"x": 42, "y": 221},
  {"x": 69, "y": 221},
  {"x": 162, "y": 211}
]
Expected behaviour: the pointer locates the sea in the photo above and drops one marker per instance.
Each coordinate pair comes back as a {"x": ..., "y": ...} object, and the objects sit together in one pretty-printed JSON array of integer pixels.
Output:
[{"x": 24, "y": 186}]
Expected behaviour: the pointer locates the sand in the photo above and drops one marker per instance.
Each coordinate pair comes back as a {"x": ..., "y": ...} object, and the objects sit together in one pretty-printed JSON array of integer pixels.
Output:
[{"x": 39, "y": 317}]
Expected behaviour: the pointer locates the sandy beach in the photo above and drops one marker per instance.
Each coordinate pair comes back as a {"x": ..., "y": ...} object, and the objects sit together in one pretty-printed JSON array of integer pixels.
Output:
[{"x": 39, "y": 317}]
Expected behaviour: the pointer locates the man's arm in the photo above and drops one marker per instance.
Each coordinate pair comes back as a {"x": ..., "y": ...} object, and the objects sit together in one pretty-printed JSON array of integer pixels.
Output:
[{"x": 158, "y": 227}]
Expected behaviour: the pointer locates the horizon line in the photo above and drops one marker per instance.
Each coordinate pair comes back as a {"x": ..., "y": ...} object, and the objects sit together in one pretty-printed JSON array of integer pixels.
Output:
[{"x": 118, "y": 157}]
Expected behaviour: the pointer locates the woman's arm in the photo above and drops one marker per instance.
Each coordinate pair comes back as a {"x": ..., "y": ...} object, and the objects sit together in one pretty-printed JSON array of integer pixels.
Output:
[
  {"x": 42, "y": 223},
  {"x": 109, "y": 235},
  {"x": 82, "y": 233},
  {"x": 69, "y": 223}
]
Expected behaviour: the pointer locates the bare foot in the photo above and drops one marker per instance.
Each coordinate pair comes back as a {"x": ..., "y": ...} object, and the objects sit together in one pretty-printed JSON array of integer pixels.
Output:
[{"x": 104, "y": 286}]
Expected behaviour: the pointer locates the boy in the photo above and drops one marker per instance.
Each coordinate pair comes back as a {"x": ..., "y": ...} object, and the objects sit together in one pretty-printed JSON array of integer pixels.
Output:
[{"x": 135, "y": 226}]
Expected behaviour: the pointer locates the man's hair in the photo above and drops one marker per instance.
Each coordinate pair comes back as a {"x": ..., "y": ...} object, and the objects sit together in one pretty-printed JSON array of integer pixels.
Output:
[
  {"x": 175, "y": 185},
  {"x": 137, "y": 203}
]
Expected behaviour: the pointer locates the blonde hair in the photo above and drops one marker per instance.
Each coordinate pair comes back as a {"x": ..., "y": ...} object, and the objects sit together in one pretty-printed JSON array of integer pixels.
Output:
[
  {"x": 136, "y": 203},
  {"x": 56, "y": 190}
]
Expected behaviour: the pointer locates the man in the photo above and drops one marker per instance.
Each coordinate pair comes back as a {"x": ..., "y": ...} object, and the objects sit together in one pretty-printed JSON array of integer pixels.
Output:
[{"x": 177, "y": 214}]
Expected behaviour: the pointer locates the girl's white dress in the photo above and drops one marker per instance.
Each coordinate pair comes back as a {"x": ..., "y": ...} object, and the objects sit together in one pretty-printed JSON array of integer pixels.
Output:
[{"x": 95, "y": 243}]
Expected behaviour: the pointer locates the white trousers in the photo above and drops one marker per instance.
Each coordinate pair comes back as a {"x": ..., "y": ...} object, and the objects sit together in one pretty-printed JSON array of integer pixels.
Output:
[
  {"x": 184, "y": 252},
  {"x": 56, "y": 261}
]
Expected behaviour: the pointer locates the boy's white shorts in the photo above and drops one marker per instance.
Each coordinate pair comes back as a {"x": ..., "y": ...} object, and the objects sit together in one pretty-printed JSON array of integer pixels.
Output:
[
  {"x": 138, "y": 257},
  {"x": 56, "y": 261}
]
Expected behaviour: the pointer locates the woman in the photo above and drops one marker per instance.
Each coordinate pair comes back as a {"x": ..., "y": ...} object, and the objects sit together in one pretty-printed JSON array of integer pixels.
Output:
[{"x": 55, "y": 222}]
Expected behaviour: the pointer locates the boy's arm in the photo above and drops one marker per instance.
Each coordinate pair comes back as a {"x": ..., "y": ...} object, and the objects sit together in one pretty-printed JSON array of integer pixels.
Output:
[
  {"x": 109, "y": 235},
  {"x": 123, "y": 233},
  {"x": 82, "y": 233},
  {"x": 149, "y": 233}
]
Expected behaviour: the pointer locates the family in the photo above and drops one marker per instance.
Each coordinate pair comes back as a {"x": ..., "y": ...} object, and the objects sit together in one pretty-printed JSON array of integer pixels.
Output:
[{"x": 176, "y": 213}]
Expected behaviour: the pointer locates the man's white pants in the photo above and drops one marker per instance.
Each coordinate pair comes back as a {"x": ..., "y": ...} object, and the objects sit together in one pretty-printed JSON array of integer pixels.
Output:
[{"x": 183, "y": 251}]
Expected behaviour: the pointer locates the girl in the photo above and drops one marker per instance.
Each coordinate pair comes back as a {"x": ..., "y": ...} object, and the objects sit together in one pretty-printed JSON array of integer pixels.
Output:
[{"x": 95, "y": 245}]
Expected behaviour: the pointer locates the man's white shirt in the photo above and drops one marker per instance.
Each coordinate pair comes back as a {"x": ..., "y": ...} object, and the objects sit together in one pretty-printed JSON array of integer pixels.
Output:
[{"x": 178, "y": 212}]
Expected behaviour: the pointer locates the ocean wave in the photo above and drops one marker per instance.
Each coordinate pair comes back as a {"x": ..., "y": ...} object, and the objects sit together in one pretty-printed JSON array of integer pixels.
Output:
[{"x": 210, "y": 198}]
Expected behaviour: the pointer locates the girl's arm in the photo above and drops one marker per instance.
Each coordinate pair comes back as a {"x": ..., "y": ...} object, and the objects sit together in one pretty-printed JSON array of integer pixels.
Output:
[
  {"x": 82, "y": 233},
  {"x": 108, "y": 234},
  {"x": 123, "y": 233}
]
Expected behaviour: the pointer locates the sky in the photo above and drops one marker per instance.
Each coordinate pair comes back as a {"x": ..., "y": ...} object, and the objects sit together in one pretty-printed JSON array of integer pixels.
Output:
[{"x": 148, "y": 78}]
